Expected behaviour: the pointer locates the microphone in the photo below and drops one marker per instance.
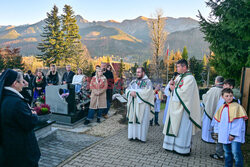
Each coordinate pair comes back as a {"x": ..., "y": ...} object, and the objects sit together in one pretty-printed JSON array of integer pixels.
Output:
[{"x": 174, "y": 75}]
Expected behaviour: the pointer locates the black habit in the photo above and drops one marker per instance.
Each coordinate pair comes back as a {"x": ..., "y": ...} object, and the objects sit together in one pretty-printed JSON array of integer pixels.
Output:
[{"x": 20, "y": 147}]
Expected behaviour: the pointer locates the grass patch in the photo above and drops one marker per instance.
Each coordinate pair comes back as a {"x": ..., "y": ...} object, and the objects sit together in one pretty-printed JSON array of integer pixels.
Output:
[{"x": 163, "y": 106}]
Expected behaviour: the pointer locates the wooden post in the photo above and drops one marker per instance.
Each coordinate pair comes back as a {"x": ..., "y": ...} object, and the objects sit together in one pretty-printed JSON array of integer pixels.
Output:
[{"x": 245, "y": 92}]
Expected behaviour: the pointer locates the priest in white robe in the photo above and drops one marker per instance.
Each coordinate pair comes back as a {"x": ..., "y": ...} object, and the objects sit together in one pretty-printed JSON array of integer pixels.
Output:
[
  {"x": 210, "y": 101},
  {"x": 183, "y": 116},
  {"x": 140, "y": 106}
]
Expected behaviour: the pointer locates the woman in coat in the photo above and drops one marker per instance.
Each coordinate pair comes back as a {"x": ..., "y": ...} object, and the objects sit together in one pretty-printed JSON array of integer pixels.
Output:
[
  {"x": 18, "y": 140},
  {"x": 39, "y": 84},
  {"x": 98, "y": 102}
]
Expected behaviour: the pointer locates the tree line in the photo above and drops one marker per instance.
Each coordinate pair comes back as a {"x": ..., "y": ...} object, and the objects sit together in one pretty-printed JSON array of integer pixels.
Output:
[{"x": 10, "y": 58}]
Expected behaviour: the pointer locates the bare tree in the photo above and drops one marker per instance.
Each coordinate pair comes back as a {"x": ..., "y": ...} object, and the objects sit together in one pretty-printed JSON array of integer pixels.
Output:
[{"x": 158, "y": 35}]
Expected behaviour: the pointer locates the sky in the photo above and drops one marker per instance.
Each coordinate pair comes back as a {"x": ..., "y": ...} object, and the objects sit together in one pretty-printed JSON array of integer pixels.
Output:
[{"x": 19, "y": 12}]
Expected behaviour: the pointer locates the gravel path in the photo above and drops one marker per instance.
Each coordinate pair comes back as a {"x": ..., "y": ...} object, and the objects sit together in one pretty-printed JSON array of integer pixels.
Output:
[{"x": 108, "y": 127}]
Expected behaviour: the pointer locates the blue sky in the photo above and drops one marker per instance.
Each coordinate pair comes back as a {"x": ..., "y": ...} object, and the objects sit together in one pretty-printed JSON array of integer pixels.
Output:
[{"x": 17, "y": 12}]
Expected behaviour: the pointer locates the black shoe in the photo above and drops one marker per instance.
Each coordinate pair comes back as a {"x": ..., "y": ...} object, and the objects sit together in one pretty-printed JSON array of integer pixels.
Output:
[
  {"x": 86, "y": 122},
  {"x": 157, "y": 124},
  {"x": 216, "y": 156},
  {"x": 151, "y": 123},
  {"x": 185, "y": 155},
  {"x": 98, "y": 120}
]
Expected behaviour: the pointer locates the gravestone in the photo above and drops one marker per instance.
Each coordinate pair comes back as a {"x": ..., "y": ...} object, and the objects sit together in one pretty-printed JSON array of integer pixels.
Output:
[{"x": 61, "y": 99}]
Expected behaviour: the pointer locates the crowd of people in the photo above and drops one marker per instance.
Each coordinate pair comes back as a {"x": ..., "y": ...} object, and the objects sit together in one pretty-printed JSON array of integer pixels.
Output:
[
  {"x": 222, "y": 118},
  {"x": 184, "y": 114},
  {"x": 19, "y": 91},
  {"x": 34, "y": 86}
]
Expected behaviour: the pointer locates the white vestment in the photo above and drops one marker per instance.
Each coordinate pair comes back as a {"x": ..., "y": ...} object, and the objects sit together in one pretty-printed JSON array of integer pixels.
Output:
[
  {"x": 167, "y": 93},
  {"x": 183, "y": 115},
  {"x": 210, "y": 102},
  {"x": 139, "y": 109},
  {"x": 140, "y": 131},
  {"x": 181, "y": 143},
  {"x": 207, "y": 129}
]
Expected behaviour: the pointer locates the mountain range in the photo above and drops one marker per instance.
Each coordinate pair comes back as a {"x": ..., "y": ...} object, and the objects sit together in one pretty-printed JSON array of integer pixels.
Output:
[{"x": 128, "y": 39}]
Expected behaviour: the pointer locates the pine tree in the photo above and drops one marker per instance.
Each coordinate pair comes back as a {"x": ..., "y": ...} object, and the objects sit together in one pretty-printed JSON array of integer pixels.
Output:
[
  {"x": 133, "y": 69},
  {"x": 52, "y": 42},
  {"x": 146, "y": 66},
  {"x": 227, "y": 31},
  {"x": 89, "y": 69},
  {"x": 184, "y": 54},
  {"x": 80, "y": 60},
  {"x": 196, "y": 68},
  {"x": 121, "y": 69},
  {"x": 72, "y": 39}
]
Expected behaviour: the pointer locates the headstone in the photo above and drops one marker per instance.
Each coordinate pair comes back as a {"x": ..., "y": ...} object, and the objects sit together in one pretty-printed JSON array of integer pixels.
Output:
[
  {"x": 61, "y": 99},
  {"x": 57, "y": 103}
]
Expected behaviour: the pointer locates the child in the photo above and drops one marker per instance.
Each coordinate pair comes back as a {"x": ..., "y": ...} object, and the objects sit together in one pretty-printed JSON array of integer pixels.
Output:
[
  {"x": 158, "y": 99},
  {"x": 230, "y": 127},
  {"x": 228, "y": 83}
]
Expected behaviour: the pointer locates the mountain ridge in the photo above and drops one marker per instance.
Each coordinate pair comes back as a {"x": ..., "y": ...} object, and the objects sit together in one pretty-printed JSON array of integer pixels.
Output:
[{"x": 128, "y": 39}]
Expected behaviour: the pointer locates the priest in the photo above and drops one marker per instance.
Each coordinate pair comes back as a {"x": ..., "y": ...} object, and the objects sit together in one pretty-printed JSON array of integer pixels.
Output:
[
  {"x": 210, "y": 101},
  {"x": 140, "y": 106},
  {"x": 183, "y": 116}
]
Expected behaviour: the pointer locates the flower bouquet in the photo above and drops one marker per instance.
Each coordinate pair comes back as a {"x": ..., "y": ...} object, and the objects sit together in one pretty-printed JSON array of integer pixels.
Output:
[
  {"x": 43, "y": 112},
  {"x": 40, "y": 100}
]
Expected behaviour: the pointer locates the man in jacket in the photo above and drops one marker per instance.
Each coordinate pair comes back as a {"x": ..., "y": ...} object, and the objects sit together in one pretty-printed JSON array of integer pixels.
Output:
[{"x": 68, "y": 75}]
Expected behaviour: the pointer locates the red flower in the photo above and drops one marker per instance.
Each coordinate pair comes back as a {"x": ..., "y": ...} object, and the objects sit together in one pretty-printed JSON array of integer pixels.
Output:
[{"x": 43, "y": 109}]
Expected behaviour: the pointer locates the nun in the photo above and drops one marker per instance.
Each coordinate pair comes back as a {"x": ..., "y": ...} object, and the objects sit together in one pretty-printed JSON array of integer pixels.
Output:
[{"x": 17, "y": 121}]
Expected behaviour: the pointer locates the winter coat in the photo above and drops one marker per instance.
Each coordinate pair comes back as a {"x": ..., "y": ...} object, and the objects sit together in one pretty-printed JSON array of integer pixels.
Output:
[
  {"x": 41, "y": 84},
  {"x": 18, "y": 140},
  {"x": 29, "y": 79},
  {"x": 68, "y": 77},
  {"x": 110, "y": 78},
  {"x": 98, "y": 92},
  {"x": 53, "y": 78}
]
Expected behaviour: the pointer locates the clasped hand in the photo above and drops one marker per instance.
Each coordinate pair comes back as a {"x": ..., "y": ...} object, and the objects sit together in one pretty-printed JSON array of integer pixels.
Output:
[
  {"x": 231, "y": 138},
  {"x": 172, "y": 85},
  {"x": 133, "y": 94}
]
